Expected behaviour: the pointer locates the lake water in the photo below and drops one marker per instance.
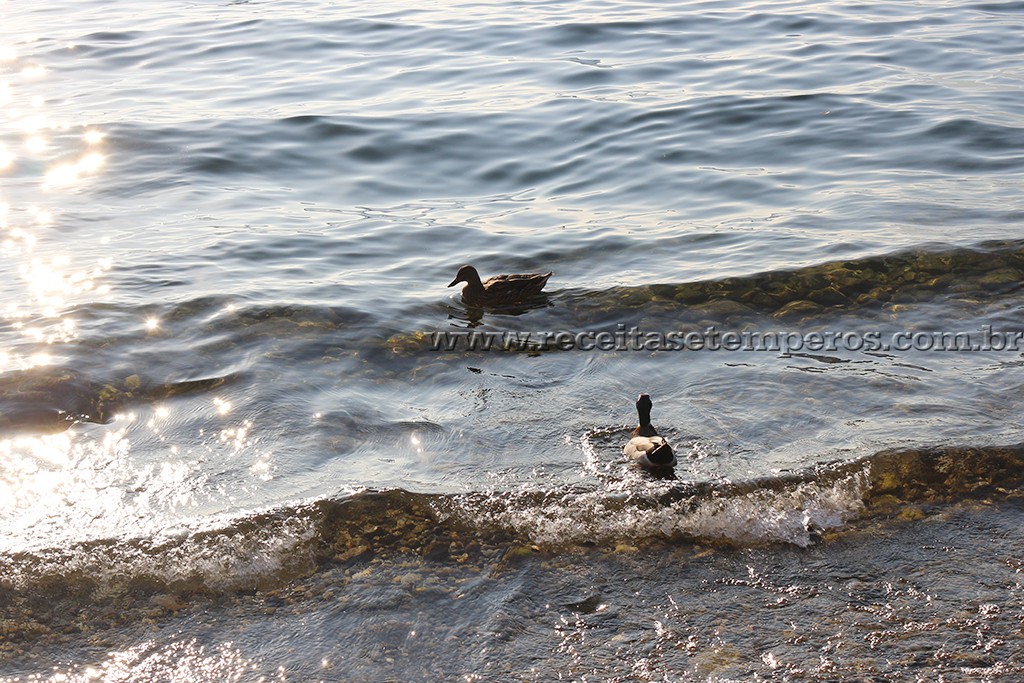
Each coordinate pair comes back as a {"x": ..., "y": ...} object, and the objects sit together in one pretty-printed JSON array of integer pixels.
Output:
[{"x": 247, "y": 432}]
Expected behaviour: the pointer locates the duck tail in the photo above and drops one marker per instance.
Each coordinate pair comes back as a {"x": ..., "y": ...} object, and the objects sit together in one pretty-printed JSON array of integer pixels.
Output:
[{"x": 661, "y": 455}]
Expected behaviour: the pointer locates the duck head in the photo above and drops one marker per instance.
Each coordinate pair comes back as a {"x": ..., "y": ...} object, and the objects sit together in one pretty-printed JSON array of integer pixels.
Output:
[{"x": 466, "y": 274}]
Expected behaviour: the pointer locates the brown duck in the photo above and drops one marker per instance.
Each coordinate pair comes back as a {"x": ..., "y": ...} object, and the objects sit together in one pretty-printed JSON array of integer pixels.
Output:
[
  {"x": 500, "y": 290},
  {"x": 646, "y": 448}
]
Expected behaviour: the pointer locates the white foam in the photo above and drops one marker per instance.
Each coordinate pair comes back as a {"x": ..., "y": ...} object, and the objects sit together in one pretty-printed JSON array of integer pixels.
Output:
[
  {"x": 780, "y": 511},
  {"x": 217, "y": 559}
]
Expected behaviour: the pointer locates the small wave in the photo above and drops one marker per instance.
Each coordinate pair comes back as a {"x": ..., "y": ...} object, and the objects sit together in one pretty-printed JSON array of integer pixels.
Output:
[
  {"x": 775, "y": 510},
  {"x": 51, "y": 399},
  {"x": 957, "y": 278},
  {"x": 270, "y": 548},
  {"x": 914, "y": 276}
]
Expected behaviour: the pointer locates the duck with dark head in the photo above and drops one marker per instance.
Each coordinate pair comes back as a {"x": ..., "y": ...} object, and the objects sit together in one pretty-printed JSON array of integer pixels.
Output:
[
  {"x": 646, "y": 448},
  {"x": 500, "y": 290}
]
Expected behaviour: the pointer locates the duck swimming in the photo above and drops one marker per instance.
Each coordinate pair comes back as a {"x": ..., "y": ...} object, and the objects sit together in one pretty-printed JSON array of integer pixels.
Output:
[
  {"x": 646, "y": 448},
  {"x": 500, "y": 290}
]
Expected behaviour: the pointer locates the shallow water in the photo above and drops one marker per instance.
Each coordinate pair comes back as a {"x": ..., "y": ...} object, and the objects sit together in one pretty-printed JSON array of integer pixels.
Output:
[{"x": 246, "y": 431}]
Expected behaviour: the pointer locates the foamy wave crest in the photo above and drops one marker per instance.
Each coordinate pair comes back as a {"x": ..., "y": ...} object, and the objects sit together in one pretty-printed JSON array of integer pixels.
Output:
[
  {"x": 783, "y": 510},
  {"x": 796, "y": 514},
  {"x": 246, "y": 553}
]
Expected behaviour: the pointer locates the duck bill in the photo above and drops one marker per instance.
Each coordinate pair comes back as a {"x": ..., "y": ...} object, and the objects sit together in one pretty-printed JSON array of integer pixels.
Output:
[{"x": 454, "y": 282}]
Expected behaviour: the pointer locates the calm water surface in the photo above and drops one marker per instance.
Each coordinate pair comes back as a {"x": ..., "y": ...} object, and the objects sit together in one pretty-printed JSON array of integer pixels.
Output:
[{"x": 230, "y": 450}]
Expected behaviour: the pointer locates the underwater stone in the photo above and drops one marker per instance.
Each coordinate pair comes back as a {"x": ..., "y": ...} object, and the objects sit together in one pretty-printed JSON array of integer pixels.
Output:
[
  {"x": 941, "y": 280},
  {"x": 880, "y": 293},
  {"x": 797, "y": 308},
  {"x": 830, "y": 296},
  {"x": 1000, "y": 277},
  {"x": 911, "y": 513},
  {"x": 725, "y": 308},
  {"x": 905, "y": 296},
  {"x": 763, "y": 300}
]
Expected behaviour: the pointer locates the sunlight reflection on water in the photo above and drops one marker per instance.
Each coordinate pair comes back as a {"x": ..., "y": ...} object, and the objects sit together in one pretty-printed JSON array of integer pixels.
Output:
[
  {"x": 51, "y": 283},
  {"x": 67, "y": 487},
  {"x": 182, "y": 660}
]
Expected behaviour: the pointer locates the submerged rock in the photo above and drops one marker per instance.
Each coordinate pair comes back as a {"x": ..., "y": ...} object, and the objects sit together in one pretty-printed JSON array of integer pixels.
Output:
[{"x": 796, "y": 309}]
